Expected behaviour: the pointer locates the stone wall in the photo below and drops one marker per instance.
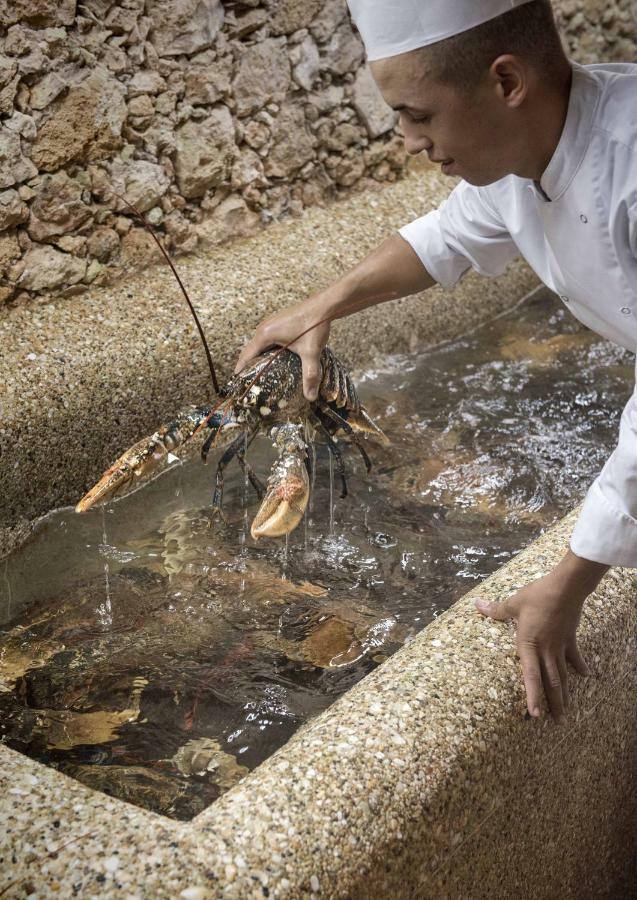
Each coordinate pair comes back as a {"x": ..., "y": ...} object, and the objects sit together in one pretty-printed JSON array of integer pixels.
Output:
[{"x": 212, "y": 119}]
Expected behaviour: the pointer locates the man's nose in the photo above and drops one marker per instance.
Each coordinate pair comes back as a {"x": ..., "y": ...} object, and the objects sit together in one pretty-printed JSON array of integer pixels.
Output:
[{"x": 415, "y": 140}]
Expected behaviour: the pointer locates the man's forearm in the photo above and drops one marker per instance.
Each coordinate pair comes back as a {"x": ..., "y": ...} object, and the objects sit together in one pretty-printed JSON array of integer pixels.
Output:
[
  {"x": 578, "y": 575},
  {"x": 391, "y": 271}
]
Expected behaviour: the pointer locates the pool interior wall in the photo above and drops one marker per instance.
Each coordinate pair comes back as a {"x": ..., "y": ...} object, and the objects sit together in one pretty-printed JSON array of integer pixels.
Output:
[{"x": 426, "y": 779}]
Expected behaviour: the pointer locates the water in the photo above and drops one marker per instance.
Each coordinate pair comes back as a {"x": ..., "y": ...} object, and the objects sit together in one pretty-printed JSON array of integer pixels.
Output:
[{"x": 158, "y": 654}]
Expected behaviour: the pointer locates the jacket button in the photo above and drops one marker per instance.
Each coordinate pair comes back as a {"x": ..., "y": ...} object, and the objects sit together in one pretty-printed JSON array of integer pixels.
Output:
[
  {"x": 583, "y": 219},
  {"x": 563, "y": 298},
  {"x": 626, "y": 310}
]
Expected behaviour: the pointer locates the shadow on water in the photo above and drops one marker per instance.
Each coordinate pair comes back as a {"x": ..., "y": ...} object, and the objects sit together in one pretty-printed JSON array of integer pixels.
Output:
[{"x": 158, "y": 654}]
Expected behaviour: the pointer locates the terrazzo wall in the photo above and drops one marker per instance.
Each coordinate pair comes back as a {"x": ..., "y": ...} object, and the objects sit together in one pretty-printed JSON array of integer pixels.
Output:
[{"x": 212, "y": 118}]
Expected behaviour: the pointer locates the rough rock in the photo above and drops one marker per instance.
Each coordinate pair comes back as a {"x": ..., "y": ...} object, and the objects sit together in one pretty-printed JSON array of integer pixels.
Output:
[
  {"x": 292, "y": 143},
  {"x": 146, "y": 81},
  {"x": 287, "y": 16},
  {"x": 7, "y": 96},
  {"x": 185, "y": 27},
  {"x": 86, "y": 124},
  {"x": 305, "y": 63},
  {"x": 34, "y": 62},
  {"x": 263, "y": 75},
  {"x": 115, "y": 59},
  {"x": 182, "y": 233},
  {"x": 40, "y": 13},
  {"x": 8, "y": 68},
  {"x": 328, "y": 19},
  {"x": 248, "y": 169},
  {"x": 136, "y": 86},
  {"x": 9, "y": 251},
  {"x": 93, "y": 269},
  {"x": 256, "y": 134},
  {"x": 344, "y": 52},
  {"x": 22, "y": 124},
  {"x": 46, "y": 268},
  {"x": 380, "y": 151},
  {"x": 19, "y": 40},
  {"x": 166, "y": 103},
  {"x": 329, "y": 99},
  {"x": 232, "y": 218},
  {"x": 342, "y": 136},
  {"x": 121, "y": 19},
  {"x": 141, "y": 183},
  {"x": 58, "y": 207},
  {"x": 15, "y": 167},
  {"x": 12, "y": 209},
  {"x": 207, "y": 84},
  {"x": 71, "y": 243},
  {"x": 44, "y": 92},
  {"x": 368, "y": 102},
  {"x": 141, "y": 106},
  {"x": 248, "y": 22},
  {"x": 205, "y": 152},
  {"x": 345, "y": 170}
]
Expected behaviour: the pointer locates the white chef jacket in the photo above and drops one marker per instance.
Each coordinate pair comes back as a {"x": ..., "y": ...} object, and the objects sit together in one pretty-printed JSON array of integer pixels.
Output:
[{"x": 578, "y": 231}]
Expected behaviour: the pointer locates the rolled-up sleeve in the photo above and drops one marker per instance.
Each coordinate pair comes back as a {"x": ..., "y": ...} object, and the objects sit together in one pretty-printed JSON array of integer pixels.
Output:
[
  {"x": 606, "y": 531},
  {"x": 465, "y": 232}
]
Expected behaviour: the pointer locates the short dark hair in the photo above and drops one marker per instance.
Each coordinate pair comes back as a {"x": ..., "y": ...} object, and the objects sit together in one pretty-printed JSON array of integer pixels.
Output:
[{"x": 528, "y": 31}]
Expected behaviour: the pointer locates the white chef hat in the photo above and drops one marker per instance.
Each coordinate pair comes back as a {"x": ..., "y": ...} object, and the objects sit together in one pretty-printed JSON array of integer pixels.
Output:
[{"x": 390, "y": 27}]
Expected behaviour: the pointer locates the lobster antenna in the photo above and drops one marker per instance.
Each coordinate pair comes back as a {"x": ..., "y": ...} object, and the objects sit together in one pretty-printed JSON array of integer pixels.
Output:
[{"x": 139, "y": 215}]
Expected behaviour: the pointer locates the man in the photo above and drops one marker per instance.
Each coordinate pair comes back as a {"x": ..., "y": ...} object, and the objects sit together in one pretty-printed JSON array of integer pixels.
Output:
[{"x": 547, "y": 154}]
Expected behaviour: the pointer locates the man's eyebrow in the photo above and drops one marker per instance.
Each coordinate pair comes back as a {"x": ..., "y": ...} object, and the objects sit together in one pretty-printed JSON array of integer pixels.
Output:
[{"x": 403, "y": 106}]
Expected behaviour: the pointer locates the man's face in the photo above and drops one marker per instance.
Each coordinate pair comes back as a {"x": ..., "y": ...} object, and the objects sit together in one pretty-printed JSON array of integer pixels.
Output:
[{"x": 466, "y": 132}]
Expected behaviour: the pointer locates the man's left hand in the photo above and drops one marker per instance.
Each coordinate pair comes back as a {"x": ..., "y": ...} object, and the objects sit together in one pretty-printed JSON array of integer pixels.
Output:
[{"x": 548, "y": 612}]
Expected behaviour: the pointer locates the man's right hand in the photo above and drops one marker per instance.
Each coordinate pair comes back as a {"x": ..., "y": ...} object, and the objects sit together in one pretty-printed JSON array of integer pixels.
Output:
[
  {"x": 284, "y": 327},
  {"x": 390, "y": 271}
]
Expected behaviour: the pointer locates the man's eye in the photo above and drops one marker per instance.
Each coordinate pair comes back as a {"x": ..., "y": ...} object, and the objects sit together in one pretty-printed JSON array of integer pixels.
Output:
[{"x": 425, "y": 118}]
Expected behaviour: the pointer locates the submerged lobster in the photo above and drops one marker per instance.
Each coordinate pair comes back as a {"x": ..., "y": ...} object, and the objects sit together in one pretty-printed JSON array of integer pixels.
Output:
[{"x": 265, "y": 396}]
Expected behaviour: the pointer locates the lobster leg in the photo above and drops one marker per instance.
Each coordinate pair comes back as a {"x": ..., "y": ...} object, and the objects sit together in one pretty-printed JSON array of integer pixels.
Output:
[
  {"x": 235, "y": 449},
  {"x": 145, "y": 457},
  {"x": 254, "y": 479},
  {"x": 213, "y": 436},
  {"x": 329, "y": 413},
  {"x": 288, "y": 493},
  {"x": 335, "y": 450}
]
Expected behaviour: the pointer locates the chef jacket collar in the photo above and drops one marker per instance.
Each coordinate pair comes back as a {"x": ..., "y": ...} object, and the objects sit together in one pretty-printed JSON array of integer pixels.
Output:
[{"x": 576, "y": 134}]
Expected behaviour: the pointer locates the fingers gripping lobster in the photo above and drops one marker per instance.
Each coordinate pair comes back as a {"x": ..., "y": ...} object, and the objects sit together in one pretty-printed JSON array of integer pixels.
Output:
[{"x": 267, "y": 396}]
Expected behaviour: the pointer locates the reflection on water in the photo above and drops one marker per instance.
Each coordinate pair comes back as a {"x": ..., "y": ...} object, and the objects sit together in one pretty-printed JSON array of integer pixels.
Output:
[{"x": 158, "y": 654}]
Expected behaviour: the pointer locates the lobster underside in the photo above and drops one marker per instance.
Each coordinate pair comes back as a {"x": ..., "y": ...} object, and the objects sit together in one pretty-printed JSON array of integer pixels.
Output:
[{"x": 268, "y": 397}]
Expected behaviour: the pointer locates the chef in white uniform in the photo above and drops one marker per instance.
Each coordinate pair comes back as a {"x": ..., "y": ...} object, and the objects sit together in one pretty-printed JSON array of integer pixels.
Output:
[{"x": 547, "y": 150}]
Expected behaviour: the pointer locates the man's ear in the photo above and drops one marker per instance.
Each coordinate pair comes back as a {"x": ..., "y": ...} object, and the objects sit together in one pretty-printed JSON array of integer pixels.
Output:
[{"x": 510, "y": 78}]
